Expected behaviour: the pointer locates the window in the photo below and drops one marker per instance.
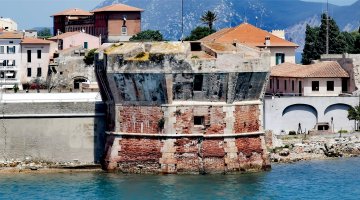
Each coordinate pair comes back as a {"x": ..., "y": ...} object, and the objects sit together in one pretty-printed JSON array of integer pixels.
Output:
[
  {"x": 195, "y": 46},
  {"x": 271, "y": 83},
  {"x": 330, "y": 85},
  {"x": 28, "y": 72},
  {"x": 38, "y": 74},
  {"x": 198, "y": 82},
  {"x": 2, "y": 49},
  {"x": 315, "y": 85},
  {"x": 293, "y": 85},
  {"x": 11, "y": 42},
  {"x": 280, "y": 58},
  {"x": 199, "y": 120},
  {"x": 29, "y": 56},
  {"x": 39, "y": 54},
  {"x": 86, "y": 45},
  {"x": 285, "y": 84},
  {"x": 123, "y": 30},
  {"x": 277, "y": 84},
  {"x": 11, "y": 63},
  {"x": 2, "y": 62},
  {"x": 11, "y": 49}
]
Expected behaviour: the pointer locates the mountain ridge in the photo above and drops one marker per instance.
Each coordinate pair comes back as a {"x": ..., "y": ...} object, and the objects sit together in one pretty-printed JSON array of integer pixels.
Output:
[{"x": 291, "y": 15}]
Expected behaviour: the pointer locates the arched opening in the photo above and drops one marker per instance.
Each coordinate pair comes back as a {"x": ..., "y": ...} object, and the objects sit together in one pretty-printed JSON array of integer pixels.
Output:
[
  {"x": 336, "y": 115},
  {"x": 299, "y": 118},
  {"x": 77, "y": 81}
]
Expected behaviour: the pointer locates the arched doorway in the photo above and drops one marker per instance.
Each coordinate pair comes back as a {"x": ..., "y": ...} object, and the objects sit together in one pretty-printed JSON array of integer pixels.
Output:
[{"x": 77, "y": 81}]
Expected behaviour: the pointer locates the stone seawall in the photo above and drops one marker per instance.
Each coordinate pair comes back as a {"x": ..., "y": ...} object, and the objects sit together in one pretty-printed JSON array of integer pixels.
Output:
[
  {"x": 51, "y": 133},
  {"x": 185, "y": 154}
]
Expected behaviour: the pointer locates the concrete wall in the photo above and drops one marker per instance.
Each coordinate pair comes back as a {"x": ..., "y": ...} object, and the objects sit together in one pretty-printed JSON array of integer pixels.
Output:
[
  {"x": 288, "y": 51},
  {"x": 286, "y": 113},
  {"x": 52, "y": 131}
]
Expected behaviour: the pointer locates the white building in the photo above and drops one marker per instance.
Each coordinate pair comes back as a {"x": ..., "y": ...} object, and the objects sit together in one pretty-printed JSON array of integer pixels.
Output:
[
  {"x": 10, "y": 59},
  {"x": 8, "y": 24},
  {"x": 281, "y": 50},
  {"x": 35, "y": 58},
  {"x": 326, "y": 78}
]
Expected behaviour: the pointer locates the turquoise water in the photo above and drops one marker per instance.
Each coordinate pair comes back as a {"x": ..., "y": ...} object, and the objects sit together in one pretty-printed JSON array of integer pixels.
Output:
[{"x": 334, "y": 179}]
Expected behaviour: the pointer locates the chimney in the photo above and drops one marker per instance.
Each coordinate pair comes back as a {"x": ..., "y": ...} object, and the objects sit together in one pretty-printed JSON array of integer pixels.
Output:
[
  {"x": 267, "y": 41},
  {"x": 279, "y": 33}
]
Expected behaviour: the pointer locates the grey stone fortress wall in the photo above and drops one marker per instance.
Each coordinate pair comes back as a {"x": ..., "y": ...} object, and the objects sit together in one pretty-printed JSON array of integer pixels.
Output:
[{"x": 55, "y": 132}]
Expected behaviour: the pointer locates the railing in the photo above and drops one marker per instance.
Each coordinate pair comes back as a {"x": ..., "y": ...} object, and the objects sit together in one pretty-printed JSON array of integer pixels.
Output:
[
  {"x": 80, "y": 22},
  {"x": 280, "y": 95}
]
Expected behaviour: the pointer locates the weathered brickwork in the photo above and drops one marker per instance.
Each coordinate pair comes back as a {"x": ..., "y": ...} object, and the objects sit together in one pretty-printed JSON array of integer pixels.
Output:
[
  {"x": 186, "y": 155},
  {"x": 138, "y": 154},
  {"x": 184, "y": 120},
  {"x": 246, "y": 119},
  {"x": 214, "y": 122},
  {"x": 140, "y": 119}
]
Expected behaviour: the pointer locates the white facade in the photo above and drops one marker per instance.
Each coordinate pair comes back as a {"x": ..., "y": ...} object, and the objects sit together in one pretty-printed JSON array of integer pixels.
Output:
[
  {"x": 289, "y": 86},
  {"x": 323, "y": 89},
  {"x": 8, "y": 24},
  {"x": 10, "y": 61},
  {"x": 35, "y": 60},
  {"x": 289, "y": 54}
]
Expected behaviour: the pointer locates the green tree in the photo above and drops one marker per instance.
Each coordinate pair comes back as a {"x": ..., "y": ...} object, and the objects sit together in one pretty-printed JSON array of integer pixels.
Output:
[
  {"x": 209, "y": 18},
  {"x": 148, "y": 35},
  {"x": 309, "y": 52},
  {"x": 354, "y": 114},
  {"x": 356, "y": 47},
  {"x": 44, "y": 33},
  {"x": 337, "y": 43},
  {"x": 349, "y": 41},
  {"x": 199, "y": 32},
  {"x": 315, "y": 48},
  {"x": 89, "y": 57}
]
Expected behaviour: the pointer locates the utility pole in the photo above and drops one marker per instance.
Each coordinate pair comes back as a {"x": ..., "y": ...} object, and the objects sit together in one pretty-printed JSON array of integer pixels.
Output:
[
  {"x": 182, "y": 20},
  {"x": 327, "y": 27}
]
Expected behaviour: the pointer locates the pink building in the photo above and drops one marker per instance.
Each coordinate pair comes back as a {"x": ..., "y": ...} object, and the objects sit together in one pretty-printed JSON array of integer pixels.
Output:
[
  {"x": 35, "y": 58},
  {"x": 73, "y": 39}
]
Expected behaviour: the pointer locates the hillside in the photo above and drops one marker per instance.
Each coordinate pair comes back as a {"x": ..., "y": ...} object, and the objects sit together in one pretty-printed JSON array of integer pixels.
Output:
[{"x": 292, "y": 15}]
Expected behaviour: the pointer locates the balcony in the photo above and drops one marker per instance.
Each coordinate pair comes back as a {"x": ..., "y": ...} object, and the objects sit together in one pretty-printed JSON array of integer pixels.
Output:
[
  {"x": 79, "y": 22},
  {"x": 8, "y": 68}
]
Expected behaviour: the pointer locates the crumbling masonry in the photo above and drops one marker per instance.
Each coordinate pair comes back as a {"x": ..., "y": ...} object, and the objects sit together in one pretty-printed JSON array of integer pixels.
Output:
[{"x": 178, "y": 107}]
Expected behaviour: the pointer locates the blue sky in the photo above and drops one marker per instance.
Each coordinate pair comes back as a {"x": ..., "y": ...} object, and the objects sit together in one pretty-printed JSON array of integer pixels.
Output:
[{"x": 34, "y": 13}]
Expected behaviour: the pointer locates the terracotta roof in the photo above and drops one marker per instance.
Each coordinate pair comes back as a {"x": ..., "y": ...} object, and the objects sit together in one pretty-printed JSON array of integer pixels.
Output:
[
  {"x": 73, "y": 12},
  {"x": 326, "y": 69},
  {"x": 64, "y": 35},
  {"x": 247, "y": 34},
  {"x": 35, "y": 41},
  {"x": 11, "y": 35},
  {"x": 117, "y": 7}
]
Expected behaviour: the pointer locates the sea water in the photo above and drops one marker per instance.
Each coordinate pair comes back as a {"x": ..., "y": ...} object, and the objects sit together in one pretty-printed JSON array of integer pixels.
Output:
[{"x": 329, "y": 179}]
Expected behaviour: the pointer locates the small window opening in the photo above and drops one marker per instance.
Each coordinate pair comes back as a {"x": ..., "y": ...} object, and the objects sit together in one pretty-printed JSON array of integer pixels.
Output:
[
  {"x": 198, "y": 82},
  {"x": 199, "y": 120}
]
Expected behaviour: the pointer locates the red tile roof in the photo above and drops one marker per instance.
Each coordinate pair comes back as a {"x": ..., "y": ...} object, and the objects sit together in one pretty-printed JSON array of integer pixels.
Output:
[
  {"x": 64, "y": 35},
  {"x": 73, "y": 12},
  {"x": 35, "y": 41},
  {"x": 11, "y": 35},
  {"x": 247, "y": 34},
  {"x": 117, "y": 7},
  {"x": 326, "y": 69}
]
